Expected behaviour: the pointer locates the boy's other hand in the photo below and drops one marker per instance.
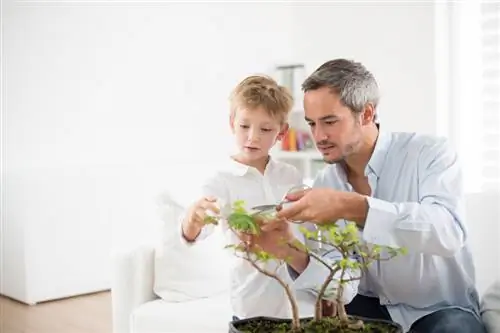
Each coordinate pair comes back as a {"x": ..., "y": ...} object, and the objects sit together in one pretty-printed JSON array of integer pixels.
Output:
[{"x": 197, "y": 217}]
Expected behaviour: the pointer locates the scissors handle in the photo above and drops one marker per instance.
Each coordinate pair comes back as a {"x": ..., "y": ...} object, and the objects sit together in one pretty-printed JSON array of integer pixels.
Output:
[{"x": 294, "y": 189}]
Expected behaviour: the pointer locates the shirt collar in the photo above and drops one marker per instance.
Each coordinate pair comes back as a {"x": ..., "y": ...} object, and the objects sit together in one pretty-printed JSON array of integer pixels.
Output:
[
  {"x": 377, "y": 160},
  {"x": 379, "y": 155},
  {"x": 240, "y": 169}
]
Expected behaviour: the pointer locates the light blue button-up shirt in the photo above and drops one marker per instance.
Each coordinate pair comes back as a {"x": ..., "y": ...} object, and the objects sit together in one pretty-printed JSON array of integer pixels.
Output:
[{"x": 417, "y": 203}]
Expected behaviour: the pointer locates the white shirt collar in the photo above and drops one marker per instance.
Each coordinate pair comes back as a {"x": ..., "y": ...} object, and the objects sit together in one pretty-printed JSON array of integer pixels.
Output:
[{"x": 240, "y": 169}]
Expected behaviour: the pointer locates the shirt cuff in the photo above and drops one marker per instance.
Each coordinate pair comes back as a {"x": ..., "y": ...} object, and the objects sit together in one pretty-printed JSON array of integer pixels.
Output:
[
  {"x": 202, "y": 235},
  {"x": 380, "y": 221},
  {"x": 311, "y": 278}
]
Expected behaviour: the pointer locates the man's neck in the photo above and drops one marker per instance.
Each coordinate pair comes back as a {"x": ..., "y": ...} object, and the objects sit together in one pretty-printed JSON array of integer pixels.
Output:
[{"x": 356, "y": 163}]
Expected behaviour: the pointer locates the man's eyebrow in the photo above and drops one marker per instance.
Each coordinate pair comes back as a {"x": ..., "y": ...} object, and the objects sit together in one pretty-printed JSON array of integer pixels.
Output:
[{"x": 329, "y": 117}]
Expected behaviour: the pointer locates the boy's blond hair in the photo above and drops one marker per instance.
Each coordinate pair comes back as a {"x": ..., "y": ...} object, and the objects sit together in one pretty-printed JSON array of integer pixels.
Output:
[{"x": 262, "y": 91}]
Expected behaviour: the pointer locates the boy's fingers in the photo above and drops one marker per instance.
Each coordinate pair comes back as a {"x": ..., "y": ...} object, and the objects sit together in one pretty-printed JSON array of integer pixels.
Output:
[
  {"x": 246, "y": 238},
  {"x": 274, "y": 225},
  {"x": 207, "y": 205}
]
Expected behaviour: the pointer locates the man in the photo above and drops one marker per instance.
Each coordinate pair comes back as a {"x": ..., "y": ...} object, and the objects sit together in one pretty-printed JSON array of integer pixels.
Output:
[{"x": 402, "y": 190}]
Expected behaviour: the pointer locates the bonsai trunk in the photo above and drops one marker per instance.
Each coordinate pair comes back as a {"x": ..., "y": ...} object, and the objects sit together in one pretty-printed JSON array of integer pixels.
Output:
[
  {"x": 340, "y": 303},
  {"x": 293, "y": 305},
  {"x": 318, "y": 313},
  {"x": 293, "y": 302}
]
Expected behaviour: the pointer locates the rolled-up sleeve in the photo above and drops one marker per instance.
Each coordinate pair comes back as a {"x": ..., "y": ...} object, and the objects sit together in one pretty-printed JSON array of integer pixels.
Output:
[{"x": 434, "y": 224}]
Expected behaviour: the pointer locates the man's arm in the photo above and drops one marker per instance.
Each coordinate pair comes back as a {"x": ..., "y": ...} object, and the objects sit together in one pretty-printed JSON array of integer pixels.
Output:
[{"x": 432, "y": 225}]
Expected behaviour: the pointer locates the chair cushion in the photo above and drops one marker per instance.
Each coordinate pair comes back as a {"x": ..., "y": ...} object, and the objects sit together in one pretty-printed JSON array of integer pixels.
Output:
[
  {"x": 208, "y": 315},
  {"x": 187, "y": 272}
]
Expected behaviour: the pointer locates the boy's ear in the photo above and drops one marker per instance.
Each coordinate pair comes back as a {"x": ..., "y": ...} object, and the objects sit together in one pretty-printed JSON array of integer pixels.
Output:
[
  {"x": 283, "y": 130},
  {"x": 231, "y": 122}
]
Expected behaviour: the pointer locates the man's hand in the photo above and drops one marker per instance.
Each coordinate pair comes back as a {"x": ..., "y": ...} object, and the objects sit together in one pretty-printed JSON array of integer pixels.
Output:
[
  {"x": 276, "y": 238},
  {"x": 323, "y": 205},
  {"x": 196, "y": 217}
]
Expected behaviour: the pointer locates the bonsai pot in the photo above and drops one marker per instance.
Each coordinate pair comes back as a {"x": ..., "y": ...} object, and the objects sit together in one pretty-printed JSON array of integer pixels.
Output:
[{"x": 326, "y": 325}]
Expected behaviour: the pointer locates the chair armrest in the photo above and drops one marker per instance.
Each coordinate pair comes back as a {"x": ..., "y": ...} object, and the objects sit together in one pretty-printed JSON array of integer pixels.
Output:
[
  {"x": 490, "y": 308},
  {"x": 132, "y": 283}
]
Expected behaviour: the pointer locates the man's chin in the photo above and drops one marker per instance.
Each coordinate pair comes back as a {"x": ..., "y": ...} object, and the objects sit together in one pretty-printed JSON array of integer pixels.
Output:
[{"x": 332, "y": 160}]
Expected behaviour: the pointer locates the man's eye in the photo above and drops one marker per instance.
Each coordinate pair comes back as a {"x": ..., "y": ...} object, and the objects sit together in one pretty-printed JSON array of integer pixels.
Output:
[
  {"x": 331, "y": 122},
  {"x": 311, "y": 124}
]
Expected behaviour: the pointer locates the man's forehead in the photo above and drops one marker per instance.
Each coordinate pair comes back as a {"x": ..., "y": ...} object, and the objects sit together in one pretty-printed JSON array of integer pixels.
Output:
[{"x": 330, "y": 116}]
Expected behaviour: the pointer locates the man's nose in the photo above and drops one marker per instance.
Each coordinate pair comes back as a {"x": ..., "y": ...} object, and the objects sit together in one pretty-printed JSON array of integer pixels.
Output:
[{"x": 319, "y": 134}]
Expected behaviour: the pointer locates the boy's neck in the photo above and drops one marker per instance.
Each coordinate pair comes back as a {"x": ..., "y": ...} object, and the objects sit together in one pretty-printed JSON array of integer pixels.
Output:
[{"x": 259, "y": 164}]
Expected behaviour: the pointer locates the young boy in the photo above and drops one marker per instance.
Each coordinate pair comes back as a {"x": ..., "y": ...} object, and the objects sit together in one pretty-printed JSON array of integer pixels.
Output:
[{"x": 258, "y": 119}]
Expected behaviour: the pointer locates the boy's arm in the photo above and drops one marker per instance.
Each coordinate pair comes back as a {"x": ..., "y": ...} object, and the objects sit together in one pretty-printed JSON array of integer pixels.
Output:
[{"x": 189, "y": 234}]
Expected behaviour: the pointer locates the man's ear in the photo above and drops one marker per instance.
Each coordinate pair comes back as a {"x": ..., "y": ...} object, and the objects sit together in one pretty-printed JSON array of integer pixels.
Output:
[
  {"x": 368, "y": 115},
  {"x": 282, "y": 132}
]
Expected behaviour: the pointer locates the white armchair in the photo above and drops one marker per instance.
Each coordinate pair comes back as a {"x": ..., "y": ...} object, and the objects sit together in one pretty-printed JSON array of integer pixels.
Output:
[
  {"x": 132, "y": 284},
  {"x": 137, "y": 309}
]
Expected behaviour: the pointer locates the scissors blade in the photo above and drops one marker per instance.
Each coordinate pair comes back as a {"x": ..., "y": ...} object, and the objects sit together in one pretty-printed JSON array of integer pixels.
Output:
[{"x": 264, "y": 207}]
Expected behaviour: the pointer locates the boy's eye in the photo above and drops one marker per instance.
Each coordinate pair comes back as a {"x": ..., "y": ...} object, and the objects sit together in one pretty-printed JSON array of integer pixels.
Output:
[
  {"x": 267, "y": 129},
  {"x": 244, "y": 126}
]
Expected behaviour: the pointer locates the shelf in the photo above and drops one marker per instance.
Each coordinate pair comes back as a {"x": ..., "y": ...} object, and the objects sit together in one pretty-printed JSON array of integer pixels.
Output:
[{"x": 304, "y": 154}]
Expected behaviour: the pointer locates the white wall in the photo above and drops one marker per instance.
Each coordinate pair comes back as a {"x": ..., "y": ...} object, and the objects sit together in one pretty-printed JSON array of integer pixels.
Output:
[
  {"x": 394, "y": 40},
  {"x": 404, "y": 45},
  {"x": 106, "y": 105}
]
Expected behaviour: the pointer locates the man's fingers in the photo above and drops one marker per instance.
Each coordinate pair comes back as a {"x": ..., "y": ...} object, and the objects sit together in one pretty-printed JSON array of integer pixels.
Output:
[
  {"x": 296, "y": 195},
  {"x": 292, "y": 211}
]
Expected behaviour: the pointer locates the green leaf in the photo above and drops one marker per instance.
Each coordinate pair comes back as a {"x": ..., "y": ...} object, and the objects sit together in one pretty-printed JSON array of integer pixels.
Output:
[{"x": 243, "y": 222}]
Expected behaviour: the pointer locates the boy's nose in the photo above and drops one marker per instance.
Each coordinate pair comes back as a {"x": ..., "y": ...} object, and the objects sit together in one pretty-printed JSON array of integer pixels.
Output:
[{"x": 253, "y": 136}]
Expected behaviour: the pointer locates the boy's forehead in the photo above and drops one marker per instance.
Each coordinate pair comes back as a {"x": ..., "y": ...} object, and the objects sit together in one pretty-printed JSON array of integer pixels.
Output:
[{"x": 257, "y": 114}]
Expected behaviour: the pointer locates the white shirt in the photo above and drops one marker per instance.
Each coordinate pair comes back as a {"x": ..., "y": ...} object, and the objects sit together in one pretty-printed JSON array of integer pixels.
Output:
[{"x": 252, "y": 293}]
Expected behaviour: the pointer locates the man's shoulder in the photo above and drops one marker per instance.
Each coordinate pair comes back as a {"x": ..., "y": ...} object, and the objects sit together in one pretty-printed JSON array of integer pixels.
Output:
[{"x": 417, "y": 142}]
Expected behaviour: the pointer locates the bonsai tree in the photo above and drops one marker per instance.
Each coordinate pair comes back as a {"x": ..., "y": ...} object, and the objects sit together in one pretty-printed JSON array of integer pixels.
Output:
[{"x": 355, "y": 257}]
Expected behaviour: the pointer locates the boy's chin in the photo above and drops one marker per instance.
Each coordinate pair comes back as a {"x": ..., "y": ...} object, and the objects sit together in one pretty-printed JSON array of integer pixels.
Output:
[{"x": 253, "y": 154}]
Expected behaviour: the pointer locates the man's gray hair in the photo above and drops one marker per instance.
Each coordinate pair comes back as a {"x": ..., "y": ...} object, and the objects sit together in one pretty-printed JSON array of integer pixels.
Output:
[{"x": 354, "y": 84}]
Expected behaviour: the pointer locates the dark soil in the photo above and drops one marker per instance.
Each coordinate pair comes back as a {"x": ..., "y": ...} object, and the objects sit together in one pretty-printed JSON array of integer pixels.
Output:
[{"x": 325, "y": 325}]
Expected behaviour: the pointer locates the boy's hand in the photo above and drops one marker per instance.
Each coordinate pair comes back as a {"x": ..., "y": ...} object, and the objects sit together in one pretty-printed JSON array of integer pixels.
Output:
[
  {"x": 276, "y": 238},
  {"x": 197, "y": 217}
]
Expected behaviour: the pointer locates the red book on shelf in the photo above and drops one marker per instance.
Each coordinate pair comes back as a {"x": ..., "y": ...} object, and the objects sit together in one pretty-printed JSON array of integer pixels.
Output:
[
  {"x": 292, "y": 139},
  {"x": 284, "y": 142}
]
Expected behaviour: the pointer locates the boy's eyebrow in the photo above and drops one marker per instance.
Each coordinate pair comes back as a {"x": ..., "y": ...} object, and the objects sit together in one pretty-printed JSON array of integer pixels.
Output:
[{"x": 329, "y": 117}]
